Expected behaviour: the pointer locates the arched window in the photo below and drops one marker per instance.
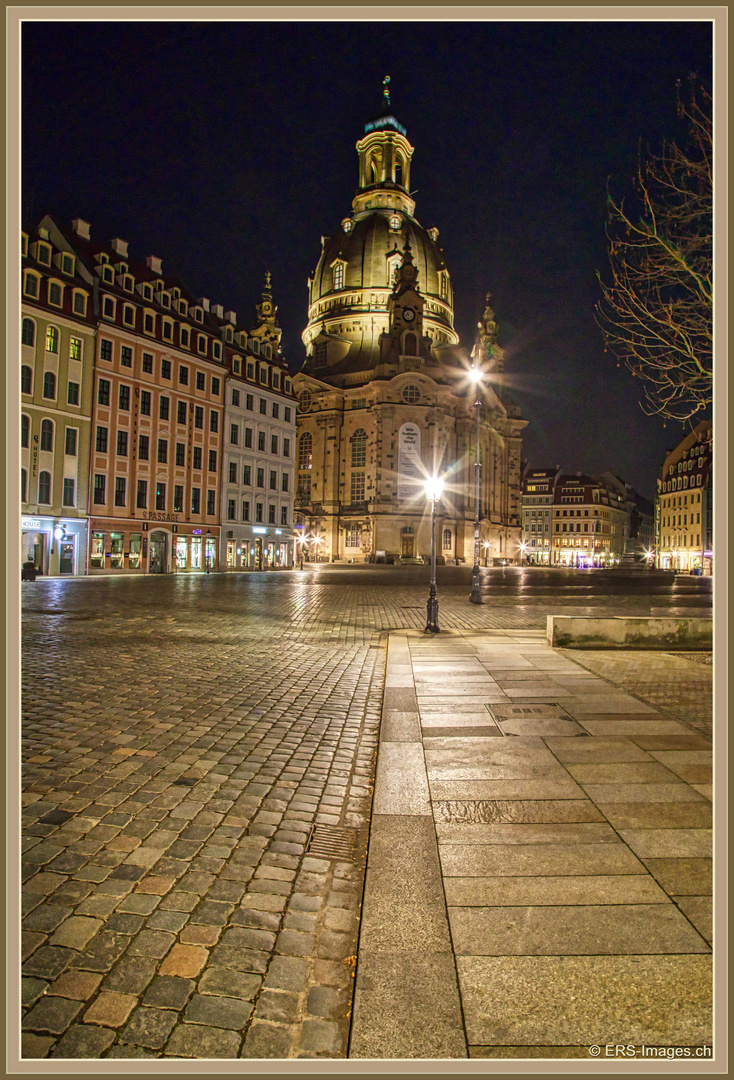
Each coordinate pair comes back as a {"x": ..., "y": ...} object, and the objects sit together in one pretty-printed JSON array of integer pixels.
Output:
[
  {"x": 49, "y": 385},
  {"x": 305, "y": 451},
  {"x": 26, "y": 379},
  {"x": 44, "y": 488},
  {"x": 359, "y": 448},
  {"x": 47, "y": 435},
  {"x": 28, "y": 336},
  {"x": 410, "y": 345},
  {"x": 25, "y": 430},
  {"x": 52, "y": 339},
  {"x": 23, "y": 483}
]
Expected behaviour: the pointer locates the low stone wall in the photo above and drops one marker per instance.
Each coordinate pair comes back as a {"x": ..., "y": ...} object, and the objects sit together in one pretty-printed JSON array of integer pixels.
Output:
[{"x": 623, "y": 632}]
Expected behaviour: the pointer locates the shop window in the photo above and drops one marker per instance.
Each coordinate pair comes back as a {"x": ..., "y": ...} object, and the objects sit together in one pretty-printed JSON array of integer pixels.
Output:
[
  {"x": 49, "y": 385},
  {"x": 96, "y": 550},
  {"x": 26, "y": 379},
  {"x": 160, "y": 496},
  {"x": 44, "y": 488},
  {"x": 28, "y": 332},
  {"x": 120, "y": 490},
  {"x": 133, "y": 561},
  {"x": 142, "y": 496},
  {"x": 47, "y": 435},
  {"x": 117, "y": 555}
]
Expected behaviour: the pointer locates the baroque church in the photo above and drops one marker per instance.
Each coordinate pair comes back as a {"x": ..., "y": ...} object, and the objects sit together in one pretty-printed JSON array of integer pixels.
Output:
[{"x": 385, "y": 400}]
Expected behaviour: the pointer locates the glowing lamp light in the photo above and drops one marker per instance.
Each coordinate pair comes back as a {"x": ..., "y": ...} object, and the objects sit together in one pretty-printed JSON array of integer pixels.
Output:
[
  {"x": 59, "y": 532},
  {"x": 434, "y": 488},
  {"x": 475, "y": 375}
]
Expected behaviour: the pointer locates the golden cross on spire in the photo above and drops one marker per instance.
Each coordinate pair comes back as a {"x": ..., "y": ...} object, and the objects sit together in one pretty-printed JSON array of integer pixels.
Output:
[{"x": 386, "y": 89}]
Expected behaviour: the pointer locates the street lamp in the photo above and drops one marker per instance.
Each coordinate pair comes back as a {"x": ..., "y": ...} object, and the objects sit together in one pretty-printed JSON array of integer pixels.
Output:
[
  {"x": 486, "y": 545},
  {"x": 206, "y": 557},
  {"x": 301, "y": 540},
  {"x": 523, "y": 553},
  {"x": 475, "y": 597},
  {"x": 433, "y": 487}
]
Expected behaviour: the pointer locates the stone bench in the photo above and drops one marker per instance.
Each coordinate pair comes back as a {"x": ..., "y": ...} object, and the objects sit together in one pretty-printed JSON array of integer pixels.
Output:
[{"x": 629, "y": 632}]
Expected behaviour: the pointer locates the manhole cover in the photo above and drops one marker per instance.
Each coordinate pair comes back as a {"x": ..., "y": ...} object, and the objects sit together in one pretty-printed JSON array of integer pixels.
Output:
[
  {"x": 537, "y": 710},
  {"x": 332, "y": 842}
]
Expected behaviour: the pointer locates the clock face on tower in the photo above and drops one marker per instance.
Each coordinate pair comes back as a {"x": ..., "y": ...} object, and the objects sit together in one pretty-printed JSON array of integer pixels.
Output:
[{"x": 408, "y": 314}]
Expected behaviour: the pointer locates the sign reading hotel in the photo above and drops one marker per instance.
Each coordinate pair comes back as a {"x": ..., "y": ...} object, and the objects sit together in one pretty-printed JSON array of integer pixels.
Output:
[{"x": 409, "y": 461}]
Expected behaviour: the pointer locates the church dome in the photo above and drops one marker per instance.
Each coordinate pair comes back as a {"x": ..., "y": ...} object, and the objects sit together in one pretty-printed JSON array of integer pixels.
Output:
[{"x": 350, "y": 288}]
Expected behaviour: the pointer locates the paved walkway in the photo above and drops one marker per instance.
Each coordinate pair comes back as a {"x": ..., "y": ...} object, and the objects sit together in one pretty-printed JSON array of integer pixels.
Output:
[{"x": 539, "y": 871}]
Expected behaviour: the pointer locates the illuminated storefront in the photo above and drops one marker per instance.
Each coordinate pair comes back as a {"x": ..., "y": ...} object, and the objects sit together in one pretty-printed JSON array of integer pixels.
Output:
[{"x": 55, "y": 546}]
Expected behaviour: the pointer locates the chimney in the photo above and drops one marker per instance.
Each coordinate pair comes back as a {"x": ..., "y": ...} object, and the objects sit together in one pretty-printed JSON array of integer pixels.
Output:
[
  {"x": 81, "y": 228},
  {"x": 154, "y": 264},
  {"x": 218, "y": 310},
  {"x": 204, "y": 301},
  {"x": 231, "y": 316},
  {"x": 120, "y": 247}
]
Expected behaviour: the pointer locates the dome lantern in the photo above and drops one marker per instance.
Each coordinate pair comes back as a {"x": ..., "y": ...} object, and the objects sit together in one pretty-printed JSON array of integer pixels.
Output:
[{"x": 384, "y": 163}]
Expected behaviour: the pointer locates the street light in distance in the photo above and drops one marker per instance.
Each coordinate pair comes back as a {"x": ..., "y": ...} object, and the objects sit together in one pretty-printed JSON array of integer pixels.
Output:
[
  {"x": 434, "y": 488},
  {"x": 475, "y": 597}
]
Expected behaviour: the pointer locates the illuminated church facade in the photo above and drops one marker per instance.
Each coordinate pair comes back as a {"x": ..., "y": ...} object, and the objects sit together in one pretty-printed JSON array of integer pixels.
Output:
[{"x": 384, "y": 396}]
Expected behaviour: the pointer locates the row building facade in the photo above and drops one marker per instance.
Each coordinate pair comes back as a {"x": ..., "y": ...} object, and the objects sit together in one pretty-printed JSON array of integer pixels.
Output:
[{"x": 127, "y": 416}]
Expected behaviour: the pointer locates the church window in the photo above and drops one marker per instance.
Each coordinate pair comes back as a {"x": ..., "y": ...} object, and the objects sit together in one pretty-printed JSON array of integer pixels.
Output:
[
  {"x": 356, "y": 491},
  {"x": 304, "y": 400},
  {"x": 352, "y": 538},
  {"x": 304, "y": 488},
  {"x": 393, "y": 266},
  {"x": 359, "y": 448},
  {"x": 305, "y": 451},
  {"x": 447, "y": 539},
  {"x": 319, "y": 354},
  {"x": 410, "y": 345},
  {"x": 443, "y": 284},
  {"x": 411, "y": 394}
]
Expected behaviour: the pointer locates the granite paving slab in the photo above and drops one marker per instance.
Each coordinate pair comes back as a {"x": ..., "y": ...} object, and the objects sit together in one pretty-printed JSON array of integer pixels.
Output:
[
  {"x": 696, "y": 815},
  {"x": 605, "y": 1000},
  {"x": 683, "y": 876},
  {"x": 573, "y": 833},
  {"x": 498, "y": 892},
  {"x": 539, "y": 788},
  {"x": 642, "y": 793},
  {"x": 597, "y": 749},
  {"x": 595, "y": 930},
  {"x": 699, "y": 909},
  {"x": 554, "y": 860},
  {"x": 668, "y": 843},
  {"x": 643, "y": 772}
]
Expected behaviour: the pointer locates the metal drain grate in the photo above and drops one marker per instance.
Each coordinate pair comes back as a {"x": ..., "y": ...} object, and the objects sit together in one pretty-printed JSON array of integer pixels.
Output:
[{"x": 332, "y": 842}]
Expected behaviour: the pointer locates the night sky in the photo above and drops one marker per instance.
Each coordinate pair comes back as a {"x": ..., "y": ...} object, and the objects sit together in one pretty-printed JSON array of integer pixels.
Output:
[{"x": 227, "y": 149}]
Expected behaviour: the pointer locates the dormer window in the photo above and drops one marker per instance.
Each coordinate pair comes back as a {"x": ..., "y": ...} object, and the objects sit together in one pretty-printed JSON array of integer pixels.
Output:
[
  {"x": 128, "y": 315},
  {"x": 79, "y": 304},
  {"x": 55, "y": 293},
  {"x": 216, "y": 350},
  {"x": 183, "y": 307},
  {"x": 44, "y": 254},
  {"x": 337, "y": 270},
  {"x": 108, "y": 275},
  {"x": 67, "y": 264},
  {"x": 30, "y": 284},
  {"x": 201, "y": 344},
  {"x": 127, "y": 283},
  {"x": 24, "y": 245},
  {"x": 147, "y": 292},
  {"x": 185, "y": 337},
  {"x": 175, "y": 293},
  {"x": 108, "y": 307},
  {"x": 167, "y": 330},
  {"x": 263, "y": 374},
  {"x": 165, "y": 300},
  {"x": 197, "y": 313},
  {"x": 228, "y": 335},
  {"x": 236, "y": 365}
]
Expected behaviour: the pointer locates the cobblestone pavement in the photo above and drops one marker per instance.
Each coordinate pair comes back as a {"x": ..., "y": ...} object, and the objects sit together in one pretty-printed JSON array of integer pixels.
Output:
[{"x": 198, "y": 759}]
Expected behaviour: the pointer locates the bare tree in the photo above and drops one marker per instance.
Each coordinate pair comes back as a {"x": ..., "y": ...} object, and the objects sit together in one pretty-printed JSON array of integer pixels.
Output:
[{"x": 656, "y": 314}]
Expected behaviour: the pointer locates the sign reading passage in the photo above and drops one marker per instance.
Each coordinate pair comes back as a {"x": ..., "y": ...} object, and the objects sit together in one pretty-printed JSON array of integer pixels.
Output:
[{"x": 409, "y": 461}]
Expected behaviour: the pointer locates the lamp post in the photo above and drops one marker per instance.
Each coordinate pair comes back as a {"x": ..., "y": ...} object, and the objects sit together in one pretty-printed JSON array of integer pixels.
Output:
[
  {"x": 434, "y": 487},
  {"x": 475, "y": 597},
  {"x": 208, "y": 534}
]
